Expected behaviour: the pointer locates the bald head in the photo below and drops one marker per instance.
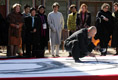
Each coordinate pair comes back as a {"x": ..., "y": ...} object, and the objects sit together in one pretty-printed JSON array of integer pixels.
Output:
[{"x": 92, "y": 31}]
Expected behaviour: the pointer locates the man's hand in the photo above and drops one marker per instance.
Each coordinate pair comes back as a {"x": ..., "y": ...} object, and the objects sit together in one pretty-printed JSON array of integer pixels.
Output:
[
  {"x": 34, "y": 30},
  {"x": 97, "y": 48},
  {"x": 17, "y": 26},
  {"x": 92, "y": 55},
  {"x": 106, "y": 19}
]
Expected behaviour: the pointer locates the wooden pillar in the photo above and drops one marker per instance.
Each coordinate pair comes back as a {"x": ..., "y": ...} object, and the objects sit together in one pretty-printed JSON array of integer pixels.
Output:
[
  {"x": 70, "y": 2},
  {"x": 43, "y": 2},
  {"x": 33, "y": 3},
  {"x": 68, "y": 6},
  {"x": 77, "y": 4},
  {"x": 7, "y": 3}
]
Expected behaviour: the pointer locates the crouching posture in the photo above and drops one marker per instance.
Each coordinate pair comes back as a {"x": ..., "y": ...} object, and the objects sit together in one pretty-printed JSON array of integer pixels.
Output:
[{"x": 79, "y": 43}]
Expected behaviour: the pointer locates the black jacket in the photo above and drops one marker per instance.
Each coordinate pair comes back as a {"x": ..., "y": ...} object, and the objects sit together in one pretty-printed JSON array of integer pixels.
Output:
[
  {"x": 84, "y": 42},
  {"x": 44, "y": 33},
  {"x": 87, "y": 20},
  {"x": 115, "y": 30},
  {"x": 104, "y": 28},
  {"x": 30, "y": 35},
  {"x": 3, "y": 31}
]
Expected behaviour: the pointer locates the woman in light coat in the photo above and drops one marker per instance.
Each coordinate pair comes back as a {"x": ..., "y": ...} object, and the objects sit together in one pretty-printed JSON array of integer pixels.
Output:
[{"x": 56, "y": 23}]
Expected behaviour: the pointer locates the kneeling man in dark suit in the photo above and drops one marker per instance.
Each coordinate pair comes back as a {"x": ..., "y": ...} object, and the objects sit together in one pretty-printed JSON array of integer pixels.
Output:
[{"x": 80, "y": 44}]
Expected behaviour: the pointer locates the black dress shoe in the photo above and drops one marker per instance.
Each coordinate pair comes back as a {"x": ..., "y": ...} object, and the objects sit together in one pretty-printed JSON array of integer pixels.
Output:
[
  {"x": 78, "y": 61},
  {"x": 103, "y": 54},
  {"x": 57, "y": 56},
  {"x": 53, "y": 56},
  {"x": 70, "y": 55}
]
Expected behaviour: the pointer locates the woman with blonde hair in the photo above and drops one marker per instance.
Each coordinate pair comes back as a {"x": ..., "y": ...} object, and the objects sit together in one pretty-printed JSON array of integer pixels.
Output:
[
  {"x": 83, "y": 17},
  {"x": 104, "y": 27},
  {"x": 15, "y": 20}
]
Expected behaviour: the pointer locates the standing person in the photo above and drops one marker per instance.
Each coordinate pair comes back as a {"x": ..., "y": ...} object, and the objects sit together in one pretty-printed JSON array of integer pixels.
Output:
[
  {"x": 26, "y": 13},
  {"x": 56, "y": 23},
  {"x": 3, "y": 31},
  {"x": 115, "y": 30},
  {"x": 71, "y": 21},
  {"x": 44, "y": 31},
  {"x": 83, "y": 17},
  {"x": 31, "y": 24},
  {"x": 15, "y": 20},
  {"x": 104, "y": 27},
  {"x": 79, "y": 43}
]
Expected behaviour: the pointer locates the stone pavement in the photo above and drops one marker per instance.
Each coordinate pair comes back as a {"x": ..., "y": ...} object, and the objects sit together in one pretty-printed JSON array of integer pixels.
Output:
[{"x": 64, "y": 53}]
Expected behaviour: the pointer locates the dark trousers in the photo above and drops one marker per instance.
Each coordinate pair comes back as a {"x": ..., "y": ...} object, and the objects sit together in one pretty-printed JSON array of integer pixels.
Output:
[
  {"x": 70, "y": 33},
  {"x": 104, "y": 40},
  {"x": 38, "y": 51},
  {"x": 74, "y": 48},
  {"x": 23, "y": 45},
  {"x": 12, "y": 50},
  {"x": 116, "y": 50},
  {"x": 28, "y": 50},
  {"x": 32, "y": 50},
  {"x": 35, "y": 50},
  {"x": 104, "y": 44}
]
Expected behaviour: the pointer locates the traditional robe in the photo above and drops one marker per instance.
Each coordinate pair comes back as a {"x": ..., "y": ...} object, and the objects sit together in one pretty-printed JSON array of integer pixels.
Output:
[{"x": 56, "y": 23}]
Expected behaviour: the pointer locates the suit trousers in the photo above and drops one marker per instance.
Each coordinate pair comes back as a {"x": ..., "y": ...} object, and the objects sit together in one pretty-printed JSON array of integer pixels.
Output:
[{"x": 74, "y": 48}]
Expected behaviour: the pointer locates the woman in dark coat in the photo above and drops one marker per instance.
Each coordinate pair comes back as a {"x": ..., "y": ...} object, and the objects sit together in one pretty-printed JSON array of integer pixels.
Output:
[
  {"x": 104, "y": 27},
  {"x": 83, "y": 17},
  {"x": 3, "y": 32},
  {"x": 115, "y": 30},
  {"x": 43, "y": 30},
  {"x": 15, "y": 20}
]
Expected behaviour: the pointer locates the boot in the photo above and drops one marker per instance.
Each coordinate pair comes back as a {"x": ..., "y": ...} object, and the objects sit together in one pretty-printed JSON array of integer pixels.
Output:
[
  {"x": 70, "y": 55},
  {"x": 103, "y": 51},
  {"x": 78, "y": 61}
]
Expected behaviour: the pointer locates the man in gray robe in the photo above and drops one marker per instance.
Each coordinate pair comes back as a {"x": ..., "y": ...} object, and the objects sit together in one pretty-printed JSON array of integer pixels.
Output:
[{"x": 56, "y": 24}]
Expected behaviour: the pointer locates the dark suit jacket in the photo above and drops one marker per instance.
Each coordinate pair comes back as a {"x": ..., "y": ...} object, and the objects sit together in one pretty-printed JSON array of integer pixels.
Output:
[
  {"x": 87, "y": 20},
  {"x": 43, "y": 39},
  {"x": 30, "y": 35},
  {"x": 3, "y": 31},
  {"x": 85, "y": 44}
]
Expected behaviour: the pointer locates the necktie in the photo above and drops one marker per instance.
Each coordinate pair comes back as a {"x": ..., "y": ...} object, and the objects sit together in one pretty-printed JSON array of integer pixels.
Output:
[{"x": 32, "y": 21}]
